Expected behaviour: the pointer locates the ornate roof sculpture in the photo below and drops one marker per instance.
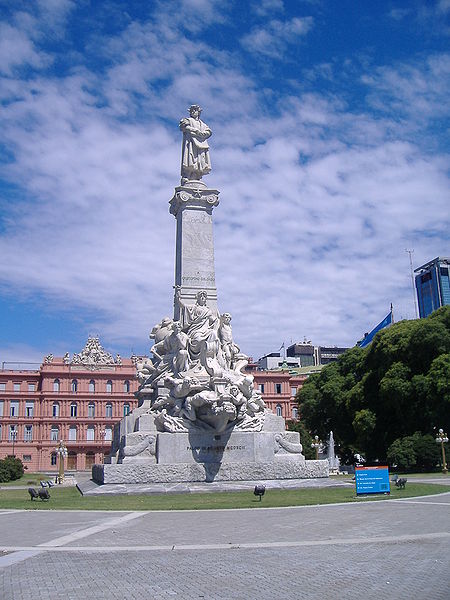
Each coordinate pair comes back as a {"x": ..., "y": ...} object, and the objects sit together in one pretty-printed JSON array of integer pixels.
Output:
[{"x": 94, "y": 355}]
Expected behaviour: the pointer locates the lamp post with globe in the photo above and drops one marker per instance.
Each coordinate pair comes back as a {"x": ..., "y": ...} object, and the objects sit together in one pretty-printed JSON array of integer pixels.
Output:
[
  {"x": 441, "y": 438},
  {"x": 316, "y": 444},
  {"x": 61, "y": 451},
  {"x": 13, "y": 439}
]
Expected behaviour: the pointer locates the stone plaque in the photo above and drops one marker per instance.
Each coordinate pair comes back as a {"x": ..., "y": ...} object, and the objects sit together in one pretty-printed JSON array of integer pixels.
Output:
[{"x": 210, "y": 448}]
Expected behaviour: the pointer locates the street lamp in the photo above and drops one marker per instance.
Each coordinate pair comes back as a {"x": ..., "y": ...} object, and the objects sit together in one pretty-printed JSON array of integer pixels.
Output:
[
  {"x": 441, "y": 438},
  {"x": 316, "y": 444},
  {"x": 14, "y": 437},
  {"x": 61, "y": 451}
]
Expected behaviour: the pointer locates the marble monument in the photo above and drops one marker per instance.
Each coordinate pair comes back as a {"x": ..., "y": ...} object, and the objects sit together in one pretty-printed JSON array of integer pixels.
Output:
[
  {"x": 332, "y": 459},
  {"x": 199, "y": 416}
]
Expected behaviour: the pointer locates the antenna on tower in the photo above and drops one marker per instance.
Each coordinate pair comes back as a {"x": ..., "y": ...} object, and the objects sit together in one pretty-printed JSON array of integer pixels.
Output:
[{"x": 411, "y": 252}]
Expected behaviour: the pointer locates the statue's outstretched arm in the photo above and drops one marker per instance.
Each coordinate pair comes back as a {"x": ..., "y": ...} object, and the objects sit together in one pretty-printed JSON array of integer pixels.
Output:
[{"x": 177, "y": 298}]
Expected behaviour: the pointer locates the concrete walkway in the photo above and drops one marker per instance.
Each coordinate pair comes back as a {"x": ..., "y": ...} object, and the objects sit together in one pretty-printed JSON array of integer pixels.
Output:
[{"x": 386, "y": 549}]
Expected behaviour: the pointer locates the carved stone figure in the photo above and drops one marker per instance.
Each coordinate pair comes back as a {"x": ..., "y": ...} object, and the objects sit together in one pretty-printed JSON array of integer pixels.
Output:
[
  {"x": 174, "y": 349},
  {"x": 229, "y": 348},
  {"x": 145, "y": 369},
  {"x": 93, "y": 355},
  {"x": 161, "y": 330},
  {"x": 195, "y": 161},
  {"x": 201, "y": 325}
]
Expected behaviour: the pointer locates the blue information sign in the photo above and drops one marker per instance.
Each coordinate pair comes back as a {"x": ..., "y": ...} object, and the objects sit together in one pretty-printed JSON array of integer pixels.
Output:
[{"x": 372, "y": 480}]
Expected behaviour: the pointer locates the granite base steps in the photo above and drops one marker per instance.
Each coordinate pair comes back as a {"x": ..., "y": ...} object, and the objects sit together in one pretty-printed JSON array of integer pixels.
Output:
[{"x": 90, "y": 488}]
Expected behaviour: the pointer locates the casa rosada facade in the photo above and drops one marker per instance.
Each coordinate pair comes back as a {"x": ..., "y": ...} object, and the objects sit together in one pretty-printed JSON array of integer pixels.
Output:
[{"x": 79, "y": 401}]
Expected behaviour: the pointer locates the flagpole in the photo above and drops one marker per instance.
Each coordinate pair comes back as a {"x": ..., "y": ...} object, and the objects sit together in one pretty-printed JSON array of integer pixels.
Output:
[{"x": 392, "y": 314}]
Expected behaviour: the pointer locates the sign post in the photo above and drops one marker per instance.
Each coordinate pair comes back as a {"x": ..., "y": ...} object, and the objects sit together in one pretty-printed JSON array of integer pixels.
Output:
[{"x": 372, "y": 480}]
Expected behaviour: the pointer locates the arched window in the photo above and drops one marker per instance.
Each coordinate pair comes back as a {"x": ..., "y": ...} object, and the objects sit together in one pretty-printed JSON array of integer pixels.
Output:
[
  {"x": 92, "y": 386},
  {"x": 55, "y": 409},
  {"x": 108, "y": 434},
  {"x": 72, "y": 433},
  {"x": 126, "y": 409},
  {"x": 91, "y": 410},
  {"x": 54, "y": 433},
  {"x": 108, "y": 410},
  {"x": 126, "y": 386},
  {"x": 56, "y": 385},
  {"x": 295, "y": 413},
  {"x": 109, "y": 387},
  {"x": 74, "y": 386},
  {"x": 73, "y": 409},
  {"x": 54, "y": 459},
  {"x": 279, "y": 410},
  {"x": 90, "y": 434}
]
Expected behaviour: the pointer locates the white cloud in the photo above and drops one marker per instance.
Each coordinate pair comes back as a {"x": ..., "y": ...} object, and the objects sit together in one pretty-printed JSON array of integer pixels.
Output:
[
  {"x": 443, "y": 6},
  {"x": 272, "y": 39},
  {"x": 16, "y": 49},
  {"x": 418, "y": 90},
  {"x": 318, "y": 202},
  {"x": 398, "y": 14},
  {"x": 267, "y": 7},
  {"x": 191, "y": 15}
]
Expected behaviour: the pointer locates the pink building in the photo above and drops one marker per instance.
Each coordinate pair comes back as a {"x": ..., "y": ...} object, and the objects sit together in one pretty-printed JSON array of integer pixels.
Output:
[
  {"x": 77, "y": 400},
  {"x": 279, "y": 389}
]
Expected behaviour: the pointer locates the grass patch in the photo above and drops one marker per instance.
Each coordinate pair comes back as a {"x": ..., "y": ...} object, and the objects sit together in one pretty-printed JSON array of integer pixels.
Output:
[
  {"x": 29, "y": 479},
  {"x": 71, "y": 499}
]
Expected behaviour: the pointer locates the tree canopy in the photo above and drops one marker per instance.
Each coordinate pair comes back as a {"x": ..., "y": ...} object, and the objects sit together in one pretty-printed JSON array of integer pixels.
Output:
[{"x": 397, "y": 386}]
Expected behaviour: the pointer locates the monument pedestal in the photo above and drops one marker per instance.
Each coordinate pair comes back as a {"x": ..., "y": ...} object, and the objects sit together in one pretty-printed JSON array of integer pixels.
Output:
[
  {"x": 149, "y": 456},
  {"x": 142, "y": 472}
]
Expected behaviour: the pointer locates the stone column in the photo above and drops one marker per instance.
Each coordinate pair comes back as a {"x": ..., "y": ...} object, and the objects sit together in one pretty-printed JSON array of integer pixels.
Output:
[{"x": 192, "y": 206}]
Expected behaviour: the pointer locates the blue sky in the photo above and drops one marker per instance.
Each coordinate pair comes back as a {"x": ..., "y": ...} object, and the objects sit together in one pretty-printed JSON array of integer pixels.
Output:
[{"x": 330, "y": 148}]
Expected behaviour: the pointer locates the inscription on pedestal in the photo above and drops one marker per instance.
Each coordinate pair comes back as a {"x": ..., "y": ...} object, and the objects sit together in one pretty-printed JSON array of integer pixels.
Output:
[{"x": 205, "y": 448}]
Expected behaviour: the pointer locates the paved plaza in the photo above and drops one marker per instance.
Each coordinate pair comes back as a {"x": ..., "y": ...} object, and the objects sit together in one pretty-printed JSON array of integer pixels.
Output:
[{"x": 386, "y": 549}]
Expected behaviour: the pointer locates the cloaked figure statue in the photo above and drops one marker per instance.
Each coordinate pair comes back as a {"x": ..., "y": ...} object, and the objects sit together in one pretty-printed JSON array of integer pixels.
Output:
[{"x": 195, "y": 161}]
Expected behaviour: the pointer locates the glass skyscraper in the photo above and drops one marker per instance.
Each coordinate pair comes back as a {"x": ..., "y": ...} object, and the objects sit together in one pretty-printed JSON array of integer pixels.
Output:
[{"x": 433, "y": 285}]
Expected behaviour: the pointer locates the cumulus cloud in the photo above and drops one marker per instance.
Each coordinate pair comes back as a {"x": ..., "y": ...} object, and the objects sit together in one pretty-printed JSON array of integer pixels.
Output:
[
  {"x": 267, "y": 7},
  {"x": 418, "y": 90},
  {"x": 17, "y": 49},
  {"x": 272, "y": 39},
  {"x": 318, "y": 200}
]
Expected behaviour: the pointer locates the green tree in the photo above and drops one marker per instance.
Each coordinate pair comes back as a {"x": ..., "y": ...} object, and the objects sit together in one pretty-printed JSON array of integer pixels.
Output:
[
  {"x": 417, "y": 451},
  {"x": 397, "y": 386},
  {"x": 401, "y": 454},
  {"x": 11, "y": 468},
  {"x": 363, "y": 426}
]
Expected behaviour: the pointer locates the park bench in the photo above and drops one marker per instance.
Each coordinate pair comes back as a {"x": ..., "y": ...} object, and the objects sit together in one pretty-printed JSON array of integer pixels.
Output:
[{"x": 46, "y": 484}]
